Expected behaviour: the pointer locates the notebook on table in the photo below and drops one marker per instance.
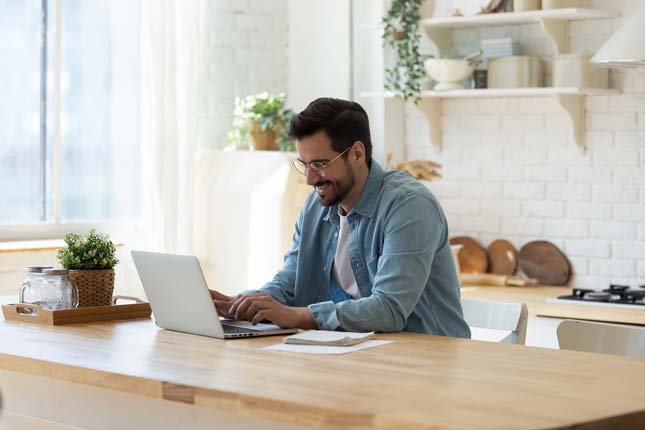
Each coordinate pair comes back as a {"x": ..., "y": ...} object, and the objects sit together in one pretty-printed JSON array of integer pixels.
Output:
[{"x": 328, "y": 338}]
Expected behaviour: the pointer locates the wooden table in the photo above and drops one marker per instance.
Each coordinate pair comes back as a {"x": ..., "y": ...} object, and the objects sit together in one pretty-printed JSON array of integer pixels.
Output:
[
  {"x": 535, "y": 299},
  {"x": 420, "y": 381}
]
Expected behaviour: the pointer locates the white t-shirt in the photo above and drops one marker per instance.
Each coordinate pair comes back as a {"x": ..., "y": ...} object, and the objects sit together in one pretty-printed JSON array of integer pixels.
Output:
[{"x": 342, "y": 269}]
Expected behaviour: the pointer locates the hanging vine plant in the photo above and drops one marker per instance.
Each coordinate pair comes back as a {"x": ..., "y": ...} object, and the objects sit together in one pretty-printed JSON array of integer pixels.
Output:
[{"x": 401, "y": 33}]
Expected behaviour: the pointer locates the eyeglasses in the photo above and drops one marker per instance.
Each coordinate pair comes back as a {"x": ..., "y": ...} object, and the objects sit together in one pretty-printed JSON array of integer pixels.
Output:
[{"x": 316, "y": 166}]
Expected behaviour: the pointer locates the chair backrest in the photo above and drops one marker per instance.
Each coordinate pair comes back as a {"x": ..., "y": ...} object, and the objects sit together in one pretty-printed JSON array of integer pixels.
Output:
[
  {"x": 602, "y": 337},
  {"x": 506, "y": 316}
]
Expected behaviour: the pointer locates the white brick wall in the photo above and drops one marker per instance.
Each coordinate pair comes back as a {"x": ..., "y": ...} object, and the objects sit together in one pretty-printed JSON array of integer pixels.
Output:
[
  {"x": 244, "y": 52},
  {"x": 592, "y": 205}
]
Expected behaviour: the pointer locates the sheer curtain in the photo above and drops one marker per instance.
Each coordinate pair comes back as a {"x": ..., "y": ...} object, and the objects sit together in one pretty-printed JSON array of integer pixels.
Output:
[{"x": 170, "y": 47}]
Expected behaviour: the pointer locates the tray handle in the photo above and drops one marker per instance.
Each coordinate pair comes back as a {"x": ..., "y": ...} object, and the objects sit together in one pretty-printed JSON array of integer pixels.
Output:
[
  {"x": 119, "y": 297},
  {"x": 26, "y": 310}
]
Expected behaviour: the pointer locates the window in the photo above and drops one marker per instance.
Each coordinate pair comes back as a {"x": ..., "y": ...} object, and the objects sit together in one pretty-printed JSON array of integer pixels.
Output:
[{"x": 69, "y": 109}]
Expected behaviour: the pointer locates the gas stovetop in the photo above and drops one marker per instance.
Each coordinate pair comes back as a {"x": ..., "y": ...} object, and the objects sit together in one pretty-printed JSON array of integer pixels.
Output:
[{"x": 616, "y": 296}]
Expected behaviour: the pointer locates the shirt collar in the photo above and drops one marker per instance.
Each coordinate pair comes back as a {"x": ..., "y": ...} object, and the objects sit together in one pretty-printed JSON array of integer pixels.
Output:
[{"x": 365, "y": 205}]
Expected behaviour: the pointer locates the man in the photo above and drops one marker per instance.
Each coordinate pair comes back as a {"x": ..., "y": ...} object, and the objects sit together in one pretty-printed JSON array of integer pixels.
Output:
[{"x": 370, "y": 249}]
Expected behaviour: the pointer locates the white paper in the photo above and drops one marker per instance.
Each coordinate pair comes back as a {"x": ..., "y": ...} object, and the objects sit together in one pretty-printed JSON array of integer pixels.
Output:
[{"x": 318, "y": 349}]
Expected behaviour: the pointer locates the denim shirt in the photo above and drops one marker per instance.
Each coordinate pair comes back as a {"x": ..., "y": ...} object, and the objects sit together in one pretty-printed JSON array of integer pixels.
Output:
[{"x": 400, "y": 255}]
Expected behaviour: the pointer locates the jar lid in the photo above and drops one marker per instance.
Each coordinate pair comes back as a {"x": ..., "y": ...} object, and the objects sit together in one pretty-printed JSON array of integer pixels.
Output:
[
  {"x": 57, "y": 271},
  {"x": 37, "y": 269}
]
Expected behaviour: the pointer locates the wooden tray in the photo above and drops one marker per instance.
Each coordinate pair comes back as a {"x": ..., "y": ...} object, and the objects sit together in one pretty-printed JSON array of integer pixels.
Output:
[{"x": 35, "y": 314}]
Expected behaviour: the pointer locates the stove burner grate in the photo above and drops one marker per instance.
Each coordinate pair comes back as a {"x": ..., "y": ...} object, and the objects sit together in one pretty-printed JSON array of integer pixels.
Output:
[{"x": 622, "y": 294}]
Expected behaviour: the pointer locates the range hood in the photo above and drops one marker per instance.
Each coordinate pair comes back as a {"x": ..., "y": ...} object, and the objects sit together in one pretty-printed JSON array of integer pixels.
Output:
[{"x": 626, "y": 47}]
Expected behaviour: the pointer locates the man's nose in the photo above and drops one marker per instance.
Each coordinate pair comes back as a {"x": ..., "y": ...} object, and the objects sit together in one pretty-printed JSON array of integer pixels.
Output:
[{"x": 312, "y": 177}]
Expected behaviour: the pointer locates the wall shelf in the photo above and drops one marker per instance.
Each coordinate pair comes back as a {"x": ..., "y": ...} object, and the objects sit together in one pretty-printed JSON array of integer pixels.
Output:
[
  {"x": 503, "y": 92},
  {"x": 555, "y": 22},
  {"x": 571, "y": 100},
  {"x": 509, "y": 18}
]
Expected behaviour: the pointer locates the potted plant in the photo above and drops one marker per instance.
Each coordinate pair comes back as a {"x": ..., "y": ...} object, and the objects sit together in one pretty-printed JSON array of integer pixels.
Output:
[
  {"x": 401, "y": 33},
  {"x": 260, "y": 121},
  {"x": 90, "y": 261}
]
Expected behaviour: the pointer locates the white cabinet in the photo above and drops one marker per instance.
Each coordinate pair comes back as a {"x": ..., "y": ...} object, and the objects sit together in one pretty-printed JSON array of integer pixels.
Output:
[{"x": 246, "y": 205}]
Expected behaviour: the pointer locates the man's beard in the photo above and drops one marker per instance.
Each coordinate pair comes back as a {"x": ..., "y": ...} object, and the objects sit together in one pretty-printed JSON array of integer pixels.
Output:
[{"x": 340, "y": 188}]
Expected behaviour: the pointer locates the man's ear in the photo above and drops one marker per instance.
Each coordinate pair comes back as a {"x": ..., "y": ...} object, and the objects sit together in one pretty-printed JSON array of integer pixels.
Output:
[{"x": 358, "y": 151}]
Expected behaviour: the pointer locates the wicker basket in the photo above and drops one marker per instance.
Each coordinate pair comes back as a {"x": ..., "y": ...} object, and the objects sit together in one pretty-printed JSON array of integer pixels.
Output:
[
  {"x": 95, "y": 287},
  {"x": 266, "y": 140}
]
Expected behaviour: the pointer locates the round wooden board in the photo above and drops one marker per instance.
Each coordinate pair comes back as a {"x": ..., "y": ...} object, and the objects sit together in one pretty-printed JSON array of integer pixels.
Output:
[
  {"x": 472, "y": 257},
  {"x": 502, "y": 256},
  {"x": 545, "y": 262}
]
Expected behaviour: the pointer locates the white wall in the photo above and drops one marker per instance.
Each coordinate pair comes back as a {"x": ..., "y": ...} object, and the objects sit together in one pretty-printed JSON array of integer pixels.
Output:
[
  {"x": 511, "y": 171},
  {"x": 301, "y": 48},
  {"x": 319, "y": 51},
  {"x": 244, "y": 52}
]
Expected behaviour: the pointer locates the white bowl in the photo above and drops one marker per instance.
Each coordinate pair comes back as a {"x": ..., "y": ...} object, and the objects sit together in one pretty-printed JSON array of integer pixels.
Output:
[{"x": 449, "y": 73}]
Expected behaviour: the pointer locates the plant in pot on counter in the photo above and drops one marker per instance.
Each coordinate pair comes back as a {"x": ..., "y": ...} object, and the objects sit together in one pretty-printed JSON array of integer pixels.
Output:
[
  {"x": 401, "y": 33},
  {"x": 260, "y": 122},
  {"x": 90, "y": 261}
]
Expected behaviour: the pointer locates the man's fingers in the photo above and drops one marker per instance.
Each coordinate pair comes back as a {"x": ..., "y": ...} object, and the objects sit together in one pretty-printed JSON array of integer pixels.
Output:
[
  {"x": 241, "y": 310},
  {"x": 242, "y": 299},
  {"x": 237, "y": 302},
  {"x": 255, "y": 307},
  {"x": 256, "y": 304},
  {"x": 261, "y": 315},
  {"x": 222, "y": 306},
  {"x": 216, "y": 295}
]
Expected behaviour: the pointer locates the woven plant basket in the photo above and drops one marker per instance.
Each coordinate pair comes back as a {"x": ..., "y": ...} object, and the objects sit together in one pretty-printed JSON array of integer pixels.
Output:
[
  {"x": 95, "y": 287},
  {"x": 266, "y": 140}
]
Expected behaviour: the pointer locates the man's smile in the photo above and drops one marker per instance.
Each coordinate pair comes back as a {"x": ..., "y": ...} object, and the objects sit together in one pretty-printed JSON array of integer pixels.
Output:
[{"x": 322, "y": 186}]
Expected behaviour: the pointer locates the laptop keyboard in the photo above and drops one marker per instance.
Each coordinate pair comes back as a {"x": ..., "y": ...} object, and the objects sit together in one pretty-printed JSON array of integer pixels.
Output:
[{"x": 231, "y": 329}]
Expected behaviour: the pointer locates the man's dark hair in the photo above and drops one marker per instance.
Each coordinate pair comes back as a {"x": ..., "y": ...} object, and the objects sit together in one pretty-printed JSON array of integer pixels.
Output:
[{"x": 343, "y": 121}]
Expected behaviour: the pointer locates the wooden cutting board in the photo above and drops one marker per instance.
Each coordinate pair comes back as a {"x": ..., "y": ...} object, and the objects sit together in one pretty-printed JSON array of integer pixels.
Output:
[
  {"x": 545, "y": 262},
  {"x": 472, "y": 257},
  {"x": 480, "y": 279},
  {"x": 502, "y": 256}
]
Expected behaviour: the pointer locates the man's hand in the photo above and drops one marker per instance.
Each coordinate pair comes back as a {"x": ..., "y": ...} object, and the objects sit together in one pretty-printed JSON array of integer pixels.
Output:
[
  {"x": 257, "y": 307},
  {"x": 222, "y": 303}
]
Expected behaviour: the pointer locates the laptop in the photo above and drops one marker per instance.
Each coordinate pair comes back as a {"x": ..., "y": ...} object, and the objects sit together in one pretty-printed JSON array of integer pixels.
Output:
[{"x": 180, "y": 299}]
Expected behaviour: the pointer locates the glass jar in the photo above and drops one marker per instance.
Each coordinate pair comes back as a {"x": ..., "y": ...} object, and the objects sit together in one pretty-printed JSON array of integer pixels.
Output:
[
  {"x": 50, "y": 289},
  {"x": 31, "y": 287},
  {"x": 58, "y": 290}
]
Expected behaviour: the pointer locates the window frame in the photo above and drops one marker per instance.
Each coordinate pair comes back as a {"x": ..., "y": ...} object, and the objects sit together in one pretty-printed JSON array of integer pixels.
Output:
[
  {"x": 49, "y": 230},
  {"x": 55, "y": 228}
]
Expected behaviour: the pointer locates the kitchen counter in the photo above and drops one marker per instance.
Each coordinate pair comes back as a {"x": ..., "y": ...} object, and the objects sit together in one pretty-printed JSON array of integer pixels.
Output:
[
  {"x": 535, "y": 299},
  {"x": 419, "y": 381}
]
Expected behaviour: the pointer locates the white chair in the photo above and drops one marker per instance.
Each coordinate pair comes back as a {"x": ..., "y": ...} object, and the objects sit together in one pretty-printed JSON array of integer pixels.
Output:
[
  {"x": 500, "y": 316},
  {"x": 602, "y": 337}
]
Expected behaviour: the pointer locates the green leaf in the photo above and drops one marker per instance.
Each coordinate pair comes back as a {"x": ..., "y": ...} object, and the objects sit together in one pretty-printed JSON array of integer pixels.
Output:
[
  {"x": 266, "y": 109},
  {"x": 402, "y": 33},
  {"x": 94, "y": 252}
]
